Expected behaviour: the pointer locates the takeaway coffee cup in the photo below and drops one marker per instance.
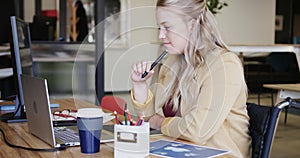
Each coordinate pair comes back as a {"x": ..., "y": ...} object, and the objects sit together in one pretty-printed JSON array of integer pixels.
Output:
[{"x": 89, "y": 123}]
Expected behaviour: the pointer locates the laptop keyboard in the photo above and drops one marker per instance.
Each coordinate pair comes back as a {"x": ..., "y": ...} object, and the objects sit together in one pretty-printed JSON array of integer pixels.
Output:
[{"x": 66, "y": 135}]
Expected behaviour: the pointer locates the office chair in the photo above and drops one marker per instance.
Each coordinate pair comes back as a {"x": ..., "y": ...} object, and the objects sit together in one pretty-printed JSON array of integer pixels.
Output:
[
  {"x": 263, "y": 123},
  {"x": 113, "y": 103}
]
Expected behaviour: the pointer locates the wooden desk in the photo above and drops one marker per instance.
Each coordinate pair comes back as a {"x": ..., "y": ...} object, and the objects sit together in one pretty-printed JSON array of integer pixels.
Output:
[
  {"x": 258, "y": 50},
  {"x": 17, "y": 133},
  {"x": 285, "y": 90}
]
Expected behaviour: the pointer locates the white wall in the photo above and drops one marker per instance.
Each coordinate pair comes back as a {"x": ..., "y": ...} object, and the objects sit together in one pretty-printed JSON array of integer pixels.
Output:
[
  {"x": 248, "y": 21},
  {"x": 29, "y": 6},
  {"x": 142, "y": 45},
  {"x": 29, "y": 10}
]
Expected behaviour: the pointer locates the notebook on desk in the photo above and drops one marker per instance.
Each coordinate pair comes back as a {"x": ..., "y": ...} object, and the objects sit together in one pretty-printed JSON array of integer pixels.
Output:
[{"x": 39, "y": 116}]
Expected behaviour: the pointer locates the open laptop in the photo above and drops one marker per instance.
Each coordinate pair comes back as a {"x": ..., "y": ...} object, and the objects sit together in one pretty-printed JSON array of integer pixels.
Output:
[{"x": 39, "y": 116}]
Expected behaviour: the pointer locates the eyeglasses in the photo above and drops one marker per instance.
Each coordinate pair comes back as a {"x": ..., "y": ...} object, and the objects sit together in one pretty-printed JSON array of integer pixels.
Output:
[{"x": 66, "y": 114}]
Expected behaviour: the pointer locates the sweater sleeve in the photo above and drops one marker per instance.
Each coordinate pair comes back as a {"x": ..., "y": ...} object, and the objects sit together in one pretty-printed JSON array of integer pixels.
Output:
[
  {"x": 220, "y": 83},
  {"x": 146, "y": 108}
]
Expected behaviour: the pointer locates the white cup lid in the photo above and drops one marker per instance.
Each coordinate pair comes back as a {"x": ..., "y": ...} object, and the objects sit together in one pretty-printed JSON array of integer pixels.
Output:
[{"x": 90, "y": 112}]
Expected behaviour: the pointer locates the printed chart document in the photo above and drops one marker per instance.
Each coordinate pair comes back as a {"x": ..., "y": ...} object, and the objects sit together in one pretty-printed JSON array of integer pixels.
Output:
[{"x": 171, "y": 149}]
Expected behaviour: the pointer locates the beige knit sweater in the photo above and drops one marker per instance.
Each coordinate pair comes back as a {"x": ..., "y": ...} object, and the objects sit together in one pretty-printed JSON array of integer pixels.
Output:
[{"x": 219, "y": 117}]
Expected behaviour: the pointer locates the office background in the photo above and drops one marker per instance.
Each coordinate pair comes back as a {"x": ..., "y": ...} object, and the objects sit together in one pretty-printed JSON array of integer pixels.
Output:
[
  {"x": 251, "y": 22},
  {"x": 241, "y": 23}
]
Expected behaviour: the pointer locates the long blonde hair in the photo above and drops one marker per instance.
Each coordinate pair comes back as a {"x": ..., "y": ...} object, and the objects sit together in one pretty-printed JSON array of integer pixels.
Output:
[{"x": 203, "y": 38}]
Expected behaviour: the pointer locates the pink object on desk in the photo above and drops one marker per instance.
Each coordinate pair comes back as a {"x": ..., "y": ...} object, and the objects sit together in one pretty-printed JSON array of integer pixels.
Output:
[{"x": 113, "y": 103}]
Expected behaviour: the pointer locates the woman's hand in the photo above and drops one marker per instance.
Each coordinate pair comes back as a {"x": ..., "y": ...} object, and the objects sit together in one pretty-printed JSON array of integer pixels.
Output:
[
  {"x": 156, "y": 121},
  {"x": 139, "y": 84},
  {"x": 138, "y": 69}
]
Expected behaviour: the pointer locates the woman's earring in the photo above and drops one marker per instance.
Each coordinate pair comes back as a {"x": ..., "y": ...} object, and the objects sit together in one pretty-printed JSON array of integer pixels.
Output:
[{"x": 200, "y": 18}]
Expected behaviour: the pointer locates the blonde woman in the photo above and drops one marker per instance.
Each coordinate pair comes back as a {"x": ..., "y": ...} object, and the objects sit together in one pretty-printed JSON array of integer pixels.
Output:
[{"x": 200, "y": 94}]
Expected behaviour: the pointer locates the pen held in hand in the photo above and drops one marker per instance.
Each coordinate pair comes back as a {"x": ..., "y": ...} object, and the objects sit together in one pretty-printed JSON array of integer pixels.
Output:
[{"x": 155, "y": 63}]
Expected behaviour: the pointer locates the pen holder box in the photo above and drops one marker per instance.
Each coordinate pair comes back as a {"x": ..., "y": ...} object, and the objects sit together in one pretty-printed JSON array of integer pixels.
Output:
[{"x": 131, "y": 141}]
